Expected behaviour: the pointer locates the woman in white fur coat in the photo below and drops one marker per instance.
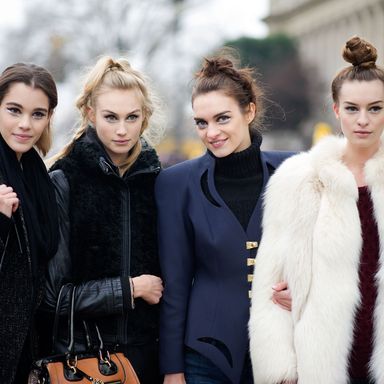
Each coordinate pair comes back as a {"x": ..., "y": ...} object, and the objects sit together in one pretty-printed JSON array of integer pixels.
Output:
[{"x": 323, "y": 232}]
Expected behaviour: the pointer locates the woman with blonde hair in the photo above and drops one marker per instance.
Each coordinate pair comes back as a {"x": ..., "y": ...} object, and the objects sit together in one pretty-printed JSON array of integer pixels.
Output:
[
  {"x": 323, "y": 232},
  {"x": 104, "y": 180}
]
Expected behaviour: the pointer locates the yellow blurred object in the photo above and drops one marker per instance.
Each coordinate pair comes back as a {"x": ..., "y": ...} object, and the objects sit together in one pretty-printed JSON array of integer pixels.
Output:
[
  {"x": 192, "y": 148},
  {"x": 321, "y": 130}
]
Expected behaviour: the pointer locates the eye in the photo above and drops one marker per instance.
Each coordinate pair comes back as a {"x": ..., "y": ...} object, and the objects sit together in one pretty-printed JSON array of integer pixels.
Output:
[
  {"x": 350, "y": 108},
  {"x": 223, "y": 119},
  {"x": 13, "y": 110},
  {"x": 38, "y": 115},
  {"x": 110, "y": 118},
  {"x": 376, "y": 108},
  {"x": 201, "y": 124},
  {"x": 132, "y": 117}
]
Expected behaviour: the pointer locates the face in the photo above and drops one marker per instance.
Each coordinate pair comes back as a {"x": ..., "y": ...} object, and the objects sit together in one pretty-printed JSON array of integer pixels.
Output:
[
  {"x": 118, "y": 118},
  {"x": 222, "y": 126},
  {"x": 361, "y": 113},
  {"x": 24, "y": 115}
]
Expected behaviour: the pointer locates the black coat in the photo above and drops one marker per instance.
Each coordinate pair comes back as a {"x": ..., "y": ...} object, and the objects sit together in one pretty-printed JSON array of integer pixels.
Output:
[
  {"x": 20, "y": 295},
  {"x": 108, "y": 232}
]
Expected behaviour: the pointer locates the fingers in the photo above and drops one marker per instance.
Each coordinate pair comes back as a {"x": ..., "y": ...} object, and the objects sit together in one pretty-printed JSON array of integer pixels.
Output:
[
  {"x": 9, "y": 201},
  {"x": 148, "y": 287},
  {"x": 280, "y": 286},
  {"x": 283, "y": 299},
  {"x": 174, "y": 378}
]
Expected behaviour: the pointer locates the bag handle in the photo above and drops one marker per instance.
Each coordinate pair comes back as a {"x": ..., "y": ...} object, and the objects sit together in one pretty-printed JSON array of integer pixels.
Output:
[
  {"x": 71, "y": 308},
  {"x": 71, "y": 322},
  {"x": 60, "y": 297}
]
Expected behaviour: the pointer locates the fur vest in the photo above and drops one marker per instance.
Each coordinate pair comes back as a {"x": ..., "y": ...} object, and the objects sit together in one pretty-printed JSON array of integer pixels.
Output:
[
  {"x": 112, "y": 233},
  {"x": 312, "y": 239}
]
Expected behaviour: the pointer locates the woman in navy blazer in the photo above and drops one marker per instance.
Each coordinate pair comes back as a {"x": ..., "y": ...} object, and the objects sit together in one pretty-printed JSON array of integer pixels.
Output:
[{"x": 209, "y": 229}]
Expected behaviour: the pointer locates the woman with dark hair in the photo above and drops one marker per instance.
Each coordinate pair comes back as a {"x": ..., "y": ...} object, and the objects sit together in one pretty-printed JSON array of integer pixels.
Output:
[
  {"x": 28, "y": 215},
  {"x": 323, "y": 232},
  {"x": 209, "y": 229}
]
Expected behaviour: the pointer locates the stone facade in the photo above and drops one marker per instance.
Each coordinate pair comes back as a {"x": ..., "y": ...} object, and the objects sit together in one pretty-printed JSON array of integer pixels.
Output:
[{"x": 321, "y": 28}]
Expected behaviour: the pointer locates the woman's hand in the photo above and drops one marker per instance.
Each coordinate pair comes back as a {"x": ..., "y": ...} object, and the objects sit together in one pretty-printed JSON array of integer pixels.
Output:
[
  {"x": 148, "y": 287},
  {"x": 174, "y": 378},
  {"x": 282, "y": 296},
  {"x": 8, "y": 200}
]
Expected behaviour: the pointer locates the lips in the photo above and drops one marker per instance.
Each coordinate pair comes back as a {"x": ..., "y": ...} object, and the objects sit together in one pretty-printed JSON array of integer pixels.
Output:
[
  {"x": 218, "y": 143},
  {"x": 121, "y": 142},
  {"x": 364, "y": 133},
  {"x": 22, "y": 137}
]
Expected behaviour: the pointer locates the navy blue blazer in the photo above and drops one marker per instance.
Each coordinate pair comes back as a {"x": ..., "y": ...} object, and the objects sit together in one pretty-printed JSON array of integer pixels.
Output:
[{"x": 206, "y": 267}]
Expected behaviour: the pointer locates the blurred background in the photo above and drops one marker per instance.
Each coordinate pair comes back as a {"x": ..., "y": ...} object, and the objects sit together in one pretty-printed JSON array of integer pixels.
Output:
[{"x": 294, "y": 44}]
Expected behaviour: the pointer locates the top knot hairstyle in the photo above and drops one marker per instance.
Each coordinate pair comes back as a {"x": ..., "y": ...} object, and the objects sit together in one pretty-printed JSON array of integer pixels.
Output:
[
  {"x": 362, "y": 55},
  {"x": 222, "y": 73}
]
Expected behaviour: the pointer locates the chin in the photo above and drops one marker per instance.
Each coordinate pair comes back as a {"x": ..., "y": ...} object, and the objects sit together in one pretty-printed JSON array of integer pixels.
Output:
[{"x": 221, "y": 154}]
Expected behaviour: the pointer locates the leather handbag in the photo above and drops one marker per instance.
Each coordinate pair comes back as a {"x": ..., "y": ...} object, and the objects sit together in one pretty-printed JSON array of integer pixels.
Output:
[{"x": 92, "y": 366}]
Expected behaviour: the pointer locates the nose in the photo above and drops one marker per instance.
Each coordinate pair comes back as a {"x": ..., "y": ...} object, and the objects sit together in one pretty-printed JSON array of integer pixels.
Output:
[
  {"x": 25, "y": 122},
  {"x": 362, "y": 120},
  {"x": 121, "y": 129},
  {"x": 212, "y": 131}
]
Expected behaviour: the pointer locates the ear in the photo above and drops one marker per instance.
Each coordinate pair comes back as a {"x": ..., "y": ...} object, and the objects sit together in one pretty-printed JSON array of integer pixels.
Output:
[
  {"x": 251, "y": 112},
  {"x": 91, "y": 115},
  {"x": 336, "y": 109}
]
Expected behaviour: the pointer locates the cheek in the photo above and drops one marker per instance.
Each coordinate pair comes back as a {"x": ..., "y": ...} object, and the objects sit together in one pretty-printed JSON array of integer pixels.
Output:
[{"x": 201, "y": 133}]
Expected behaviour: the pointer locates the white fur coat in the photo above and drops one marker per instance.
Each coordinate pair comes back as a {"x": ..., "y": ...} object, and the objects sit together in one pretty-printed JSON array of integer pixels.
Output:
[{"x": 312, "y": 239}]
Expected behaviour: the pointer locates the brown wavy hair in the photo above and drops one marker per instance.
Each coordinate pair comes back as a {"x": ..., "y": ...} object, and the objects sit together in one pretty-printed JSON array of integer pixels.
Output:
[{"x": 222, "y": 73}]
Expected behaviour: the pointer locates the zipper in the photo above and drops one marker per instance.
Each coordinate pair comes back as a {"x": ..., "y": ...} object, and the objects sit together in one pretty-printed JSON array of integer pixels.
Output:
[
  {"x": 152, "y": 169},
  {"x": 108, "y": 169},
  {"x": 126, "y": 251}
]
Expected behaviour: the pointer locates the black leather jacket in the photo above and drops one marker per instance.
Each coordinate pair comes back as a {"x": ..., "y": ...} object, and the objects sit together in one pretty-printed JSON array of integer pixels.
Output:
[{"x": 108, "y": 232}]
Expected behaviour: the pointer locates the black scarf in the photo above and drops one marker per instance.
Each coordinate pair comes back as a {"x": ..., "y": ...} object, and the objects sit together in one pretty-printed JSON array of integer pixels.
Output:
[{"x": 30, "y": 180}]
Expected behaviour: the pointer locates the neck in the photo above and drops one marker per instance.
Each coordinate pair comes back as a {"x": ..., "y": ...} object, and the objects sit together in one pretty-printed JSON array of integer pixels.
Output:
[{"x": 355, "y": 159}]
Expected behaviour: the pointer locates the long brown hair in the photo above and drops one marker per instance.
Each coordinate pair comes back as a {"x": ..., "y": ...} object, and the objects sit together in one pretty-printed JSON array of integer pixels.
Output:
[{"x": 35, "y": 77}]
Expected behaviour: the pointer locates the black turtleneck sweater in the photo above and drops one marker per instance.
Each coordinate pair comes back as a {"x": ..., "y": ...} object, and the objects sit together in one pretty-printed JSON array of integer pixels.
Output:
[{"x": 239, "y": 180}]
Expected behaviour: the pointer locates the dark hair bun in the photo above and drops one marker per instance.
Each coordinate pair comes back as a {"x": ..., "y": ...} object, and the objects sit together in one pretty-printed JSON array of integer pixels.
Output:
[
  {"x": 360, "y": 53},
  {"x": 211, "y": 67}
]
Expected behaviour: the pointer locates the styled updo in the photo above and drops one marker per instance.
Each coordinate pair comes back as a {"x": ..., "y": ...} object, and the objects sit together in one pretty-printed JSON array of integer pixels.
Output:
[
  {"x": 362, "y": 55},
  {"x": 222, "y": 73}
]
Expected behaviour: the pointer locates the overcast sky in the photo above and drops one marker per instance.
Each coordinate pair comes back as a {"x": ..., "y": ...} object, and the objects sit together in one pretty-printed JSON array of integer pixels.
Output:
[{"x": 240, "y": 17}]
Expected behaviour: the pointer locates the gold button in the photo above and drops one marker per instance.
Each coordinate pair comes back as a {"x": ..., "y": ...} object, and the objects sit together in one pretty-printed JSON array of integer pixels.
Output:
[
  {"x": 251, "y": 261},
  {"x": 249, "y": 294},
  {"x": 251, "y": 244},
  {"x": 250, "y": 278}
]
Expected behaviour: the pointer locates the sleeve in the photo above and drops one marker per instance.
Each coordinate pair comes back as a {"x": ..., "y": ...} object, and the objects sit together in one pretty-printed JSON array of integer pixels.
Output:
[
  {"x": 93, "y": 298},
  {"x": 176, "y": 261},
  {"x": 271, "y": 328},
  {"x": 5, "y": 226}
]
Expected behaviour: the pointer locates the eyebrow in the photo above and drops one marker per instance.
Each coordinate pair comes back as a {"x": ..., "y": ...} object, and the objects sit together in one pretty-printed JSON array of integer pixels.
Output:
[
  {"x": 114, "y": 113},
  {"x": 373, "y": 102},
  {"x": 12, "y": 103},
  {"x": 215, "y": 116}
]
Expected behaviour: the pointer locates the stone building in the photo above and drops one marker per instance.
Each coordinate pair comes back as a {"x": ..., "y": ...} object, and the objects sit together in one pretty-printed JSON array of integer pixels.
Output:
[{"x": 321, "y": 28}]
